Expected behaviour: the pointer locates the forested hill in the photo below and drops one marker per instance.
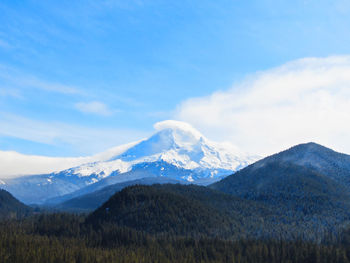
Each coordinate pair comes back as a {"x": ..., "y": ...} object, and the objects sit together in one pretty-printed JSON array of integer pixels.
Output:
[
  {"x": 189, "y": 210},
  {"x": 311, "y": 155},
  {"x": 307, "y": 183},
  {"x": 10, "y": 207},
  {"x": 155, "y": 210},
  {"x": 184, "y": 210}
]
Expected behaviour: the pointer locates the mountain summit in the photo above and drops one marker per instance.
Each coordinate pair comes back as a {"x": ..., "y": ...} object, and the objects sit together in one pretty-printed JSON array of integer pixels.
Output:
[
  {"x": 308, "y": 184},
  {"x": 302, "y": 170},
  {"x": 176, "y": 150},
  {"x": 180, "y": 144},
  {"x": 177, "y": 144},
  {"x": 171, "y": 136}
]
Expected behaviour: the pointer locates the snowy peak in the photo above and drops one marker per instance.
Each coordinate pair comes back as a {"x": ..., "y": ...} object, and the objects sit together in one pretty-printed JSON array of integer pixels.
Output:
[
  {"x": 180, "y": 144},
  {"x": 176, "y": 143},
  {"x": 170, "y": 136}
]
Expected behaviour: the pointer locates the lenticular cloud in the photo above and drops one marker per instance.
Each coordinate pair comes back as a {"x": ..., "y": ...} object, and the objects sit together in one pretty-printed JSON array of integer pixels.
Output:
[{"x": 304, "y": 100}]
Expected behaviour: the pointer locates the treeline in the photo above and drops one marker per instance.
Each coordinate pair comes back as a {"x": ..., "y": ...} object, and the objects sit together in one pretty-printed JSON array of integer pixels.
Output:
[{"x": 65, "y": 238}]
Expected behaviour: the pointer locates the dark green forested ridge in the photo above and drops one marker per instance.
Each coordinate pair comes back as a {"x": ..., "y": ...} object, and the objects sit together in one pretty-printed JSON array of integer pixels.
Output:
[
  {"x": 284, "y": 184},
  {"x": 196, "y": 211},
  {"x": 158, "y": 211},
  {"x": 307, "y": 183},
  {"x": 10, "y": 207},
  {"x": 190, "y": 210},
  {"x": 321, "y": 159}
]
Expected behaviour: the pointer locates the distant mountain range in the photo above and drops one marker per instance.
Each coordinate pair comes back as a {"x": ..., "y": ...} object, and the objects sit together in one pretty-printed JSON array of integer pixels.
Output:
[
  {"x": 176, "y": 151},
  {"x": 302, "y": 192}
]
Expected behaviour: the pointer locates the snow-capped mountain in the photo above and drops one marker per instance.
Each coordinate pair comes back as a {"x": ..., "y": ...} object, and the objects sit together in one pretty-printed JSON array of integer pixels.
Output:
[
  {"x": 176, "y": 150},
  {"x": 176, "y": 143}
]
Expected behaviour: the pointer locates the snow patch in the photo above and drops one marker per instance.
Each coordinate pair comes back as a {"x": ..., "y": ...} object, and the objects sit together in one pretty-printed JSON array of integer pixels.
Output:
[
  {"x": 189, "y": 178},
  {"x": 93, "y": 180}
]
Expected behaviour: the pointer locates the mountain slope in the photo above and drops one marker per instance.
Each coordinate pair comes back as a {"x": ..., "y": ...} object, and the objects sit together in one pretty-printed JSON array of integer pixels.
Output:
[
  {"x": 324, "y": 160},
  {"x": 311, "y": 156},
  {"x": 10, "y": 207},
  {"x": 176, "y": 150},
  {"x": 315, "y": 191}
]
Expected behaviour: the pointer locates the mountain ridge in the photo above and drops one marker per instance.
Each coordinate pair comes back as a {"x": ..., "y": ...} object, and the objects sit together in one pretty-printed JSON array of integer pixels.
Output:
[
  {"x": 294, "y": 180},
  {"x": 11, "y": 208}
]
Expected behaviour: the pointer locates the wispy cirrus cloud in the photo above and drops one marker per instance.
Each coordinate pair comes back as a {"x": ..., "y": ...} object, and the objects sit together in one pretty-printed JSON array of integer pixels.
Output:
[
  {"x": 95, "y": 107},
  {"x": 15, "y": 82},
  {"x": 83, "y": 139},
  {"x": 10, "y": 92},
  {"x": 304, "y": 100},
  {"x": 12, "y": 78}
]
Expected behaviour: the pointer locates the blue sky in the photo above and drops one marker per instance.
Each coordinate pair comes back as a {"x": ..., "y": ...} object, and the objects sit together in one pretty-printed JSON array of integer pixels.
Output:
[{"x": 77, "y": 77}]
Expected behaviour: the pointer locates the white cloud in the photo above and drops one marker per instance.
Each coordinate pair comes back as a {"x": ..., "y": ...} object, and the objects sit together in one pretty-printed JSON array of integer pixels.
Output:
[
  {"x": 81, "y": 138},
  {"x": 172, "y": 124},
  {"x": 94, "y": 107},
  {"x": 304, "y": 100},
  {"x": 35, "y": 164},
  {"x": 31, "y": 164}
]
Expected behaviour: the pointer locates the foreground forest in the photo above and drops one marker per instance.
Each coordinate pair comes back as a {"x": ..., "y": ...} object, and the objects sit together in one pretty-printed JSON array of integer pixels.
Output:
[{"x": 65, "y": 238}]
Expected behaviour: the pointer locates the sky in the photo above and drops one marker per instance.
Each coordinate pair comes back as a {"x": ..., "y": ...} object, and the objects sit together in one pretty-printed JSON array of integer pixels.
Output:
[{"x": 79, "y": 77}]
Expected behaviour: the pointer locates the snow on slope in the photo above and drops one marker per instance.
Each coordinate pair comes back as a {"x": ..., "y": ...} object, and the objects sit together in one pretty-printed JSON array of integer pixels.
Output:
[{"x": 176, "y": 143}]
